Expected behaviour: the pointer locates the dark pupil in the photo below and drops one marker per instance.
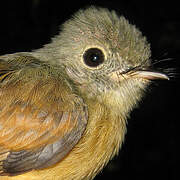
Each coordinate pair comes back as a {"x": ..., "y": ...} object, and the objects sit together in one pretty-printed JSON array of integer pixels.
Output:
[{"x": 93, "y": 57}]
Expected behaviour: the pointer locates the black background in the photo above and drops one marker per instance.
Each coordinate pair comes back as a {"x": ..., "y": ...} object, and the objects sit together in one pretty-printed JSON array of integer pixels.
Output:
[{"x": 150, "y": 148}]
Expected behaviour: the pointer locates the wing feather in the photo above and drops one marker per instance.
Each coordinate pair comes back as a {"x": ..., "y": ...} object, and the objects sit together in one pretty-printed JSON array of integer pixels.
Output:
[{"x": 41, "y": 118}]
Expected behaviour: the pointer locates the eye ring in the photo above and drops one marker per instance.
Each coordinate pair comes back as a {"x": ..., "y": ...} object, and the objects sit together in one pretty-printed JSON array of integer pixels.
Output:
[{"x": 93, "y": 57}]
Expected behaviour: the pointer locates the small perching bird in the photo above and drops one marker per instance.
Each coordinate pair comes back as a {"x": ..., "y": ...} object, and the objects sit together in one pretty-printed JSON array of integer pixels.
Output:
[{"x": 63, "y": 108}]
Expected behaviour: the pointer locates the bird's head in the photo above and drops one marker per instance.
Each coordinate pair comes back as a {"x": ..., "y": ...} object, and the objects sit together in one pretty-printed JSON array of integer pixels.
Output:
[{"x": 105, "y": 56}]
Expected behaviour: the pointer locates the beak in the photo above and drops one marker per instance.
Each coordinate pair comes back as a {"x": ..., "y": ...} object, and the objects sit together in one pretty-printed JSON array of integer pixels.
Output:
[
  {"x": 142, "y": 74},
  {"x": 150, "y": 75}
]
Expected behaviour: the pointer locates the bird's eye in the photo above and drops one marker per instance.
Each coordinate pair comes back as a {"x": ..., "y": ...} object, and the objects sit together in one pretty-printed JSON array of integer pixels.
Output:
[{"x": 93, "y": 57}]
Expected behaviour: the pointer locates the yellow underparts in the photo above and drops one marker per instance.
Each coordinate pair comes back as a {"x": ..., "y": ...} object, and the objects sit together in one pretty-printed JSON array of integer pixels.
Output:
[{"x": 100, "y": 142}]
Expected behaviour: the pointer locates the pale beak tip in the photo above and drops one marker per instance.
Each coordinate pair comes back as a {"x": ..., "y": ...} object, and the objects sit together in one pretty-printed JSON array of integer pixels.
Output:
[{"x": 151, "y": 75}]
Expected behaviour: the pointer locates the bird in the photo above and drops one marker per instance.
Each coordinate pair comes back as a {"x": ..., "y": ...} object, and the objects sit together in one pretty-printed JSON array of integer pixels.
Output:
[{"x": 64, "y": 106}]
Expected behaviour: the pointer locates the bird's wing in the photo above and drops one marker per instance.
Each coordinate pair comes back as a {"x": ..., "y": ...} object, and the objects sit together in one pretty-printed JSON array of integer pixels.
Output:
[{"x": 41, "y": 119}]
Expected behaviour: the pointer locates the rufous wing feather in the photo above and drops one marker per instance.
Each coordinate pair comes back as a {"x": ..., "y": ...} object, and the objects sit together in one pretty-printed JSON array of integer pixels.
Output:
[{"x": 41, "y": 118}]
